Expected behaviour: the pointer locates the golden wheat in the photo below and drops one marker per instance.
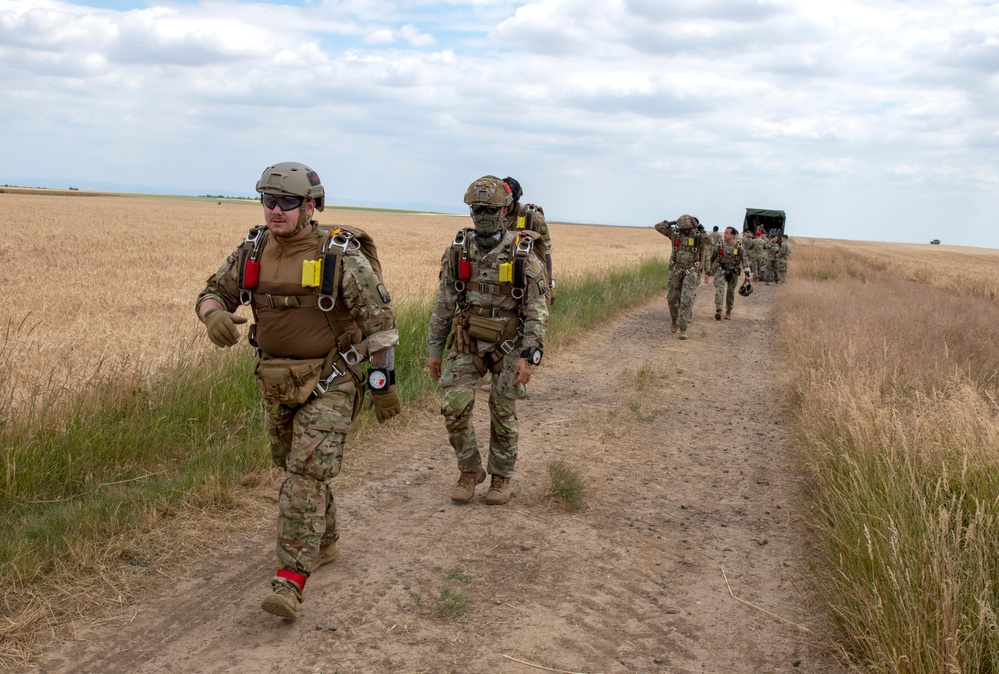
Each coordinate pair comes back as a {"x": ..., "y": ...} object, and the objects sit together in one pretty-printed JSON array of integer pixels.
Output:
[{"x": 114, "y": 277}]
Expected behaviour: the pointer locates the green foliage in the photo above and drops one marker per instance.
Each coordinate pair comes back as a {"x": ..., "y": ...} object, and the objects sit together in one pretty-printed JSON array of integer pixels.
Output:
[
  {"x": 90, "y": 459},
  {"x": 567, "y": 490},
  {"x": 450, "y": 603}
]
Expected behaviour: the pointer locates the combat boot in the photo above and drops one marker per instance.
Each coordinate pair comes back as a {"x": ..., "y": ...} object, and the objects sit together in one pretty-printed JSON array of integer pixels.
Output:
[
  {"x": 718, "y": 315},
  {"x": 673, "y": 327},
  {"x": 728, "y": 314},
  {"x": 283, "y": 601},
  {"x": 327, "y": 553},
  {"x": 683, "y": 333},
  {"x": 465, "y": 489},
  {"x": 499, "y": 490}
]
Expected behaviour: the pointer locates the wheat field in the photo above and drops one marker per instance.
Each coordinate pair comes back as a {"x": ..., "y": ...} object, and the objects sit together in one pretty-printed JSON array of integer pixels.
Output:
[{"x": 112, "y": 278}]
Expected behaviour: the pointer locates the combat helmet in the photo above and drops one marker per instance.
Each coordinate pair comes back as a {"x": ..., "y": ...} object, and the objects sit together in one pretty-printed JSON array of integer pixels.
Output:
[
  {"x": 746, "y": 289},
  {"x": 687, "y": 222},
  {"x": 291, "y": 177},
  {"x": 488, "y": 191}
]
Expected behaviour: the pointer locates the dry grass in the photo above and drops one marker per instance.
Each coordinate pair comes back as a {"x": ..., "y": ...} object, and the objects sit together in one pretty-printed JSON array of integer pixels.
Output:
[
  {"x": 893, "y": 389},
  {"x": 92, "y": 278}
]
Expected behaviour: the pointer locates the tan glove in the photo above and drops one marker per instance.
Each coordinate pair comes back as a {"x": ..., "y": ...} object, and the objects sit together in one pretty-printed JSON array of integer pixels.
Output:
[
  {"x": 221, "y": 326},
  {"x": 386, "y": 405}
]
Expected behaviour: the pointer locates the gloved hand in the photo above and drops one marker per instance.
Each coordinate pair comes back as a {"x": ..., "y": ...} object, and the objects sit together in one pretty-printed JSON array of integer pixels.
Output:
[
  {"x": 221, "y": 326},
  {"x": 387, "y": 404}
]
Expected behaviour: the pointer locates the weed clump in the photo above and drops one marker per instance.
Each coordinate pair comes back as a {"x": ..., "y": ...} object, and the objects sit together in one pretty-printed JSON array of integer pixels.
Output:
[{"x": 567, "y": 491}]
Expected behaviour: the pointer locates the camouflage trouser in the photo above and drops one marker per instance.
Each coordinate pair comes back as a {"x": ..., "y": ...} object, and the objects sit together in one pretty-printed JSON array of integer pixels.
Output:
[
  {"x": 458, "y": 381},
  {"x": 307, "y": 440},
  {"x": 680, "y": 295},
  {"x": 781, "y": 269},
  {"x": 755, "y": 263},
  {"x": 725, "y": 289}
]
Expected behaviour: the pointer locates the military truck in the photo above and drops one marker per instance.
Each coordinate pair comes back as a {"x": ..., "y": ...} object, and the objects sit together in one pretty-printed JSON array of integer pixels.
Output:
[{"x": 771, "y": 221}]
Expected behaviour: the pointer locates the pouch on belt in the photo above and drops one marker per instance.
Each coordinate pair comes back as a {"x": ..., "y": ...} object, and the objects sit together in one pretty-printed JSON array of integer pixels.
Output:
[{"x": 289, "y": 381}]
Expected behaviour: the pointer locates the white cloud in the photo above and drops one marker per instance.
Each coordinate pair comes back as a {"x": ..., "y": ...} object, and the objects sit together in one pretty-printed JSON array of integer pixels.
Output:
[{"x": 727, "y": 103}]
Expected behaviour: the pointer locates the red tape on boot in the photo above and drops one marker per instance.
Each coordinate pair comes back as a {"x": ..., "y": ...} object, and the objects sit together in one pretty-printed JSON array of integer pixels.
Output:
[{"x": 296, "y": 578}]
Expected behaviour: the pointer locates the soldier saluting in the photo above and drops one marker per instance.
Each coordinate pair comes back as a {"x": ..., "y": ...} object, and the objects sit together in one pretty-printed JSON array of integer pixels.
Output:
[
  {"x": 684, "y": 269},
  {"x": 320, "y": 310},
  {"x": 492, "y": 313}
]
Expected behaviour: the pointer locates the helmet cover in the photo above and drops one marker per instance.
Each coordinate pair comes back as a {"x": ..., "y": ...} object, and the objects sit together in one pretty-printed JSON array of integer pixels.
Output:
[
  {"x": 489, "y": 191},
  {"x": 294, "y": 178}
]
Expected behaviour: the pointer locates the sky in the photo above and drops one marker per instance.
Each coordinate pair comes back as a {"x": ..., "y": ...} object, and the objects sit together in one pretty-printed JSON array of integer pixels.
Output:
[{"x": 869, "y": 120}]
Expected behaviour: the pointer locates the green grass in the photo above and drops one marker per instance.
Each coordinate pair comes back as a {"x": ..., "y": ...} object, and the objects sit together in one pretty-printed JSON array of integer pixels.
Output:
[
  {"x": 450, "y": 604},
  {"x": 567, "y": 490},
  {"x": 91, "y": 459}
]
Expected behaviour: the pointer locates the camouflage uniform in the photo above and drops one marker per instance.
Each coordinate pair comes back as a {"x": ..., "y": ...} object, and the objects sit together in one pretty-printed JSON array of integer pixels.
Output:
[
  {"x": 533, "y": 220},
  {"x": 783, "y": 255},
  {"x": 727, "y": 262},
  {"x": 685, "y": 265},
  {"x": 757, "y": 254},
  {"x": 486, "y": 296},
  {"x": 307, "y": 439}
]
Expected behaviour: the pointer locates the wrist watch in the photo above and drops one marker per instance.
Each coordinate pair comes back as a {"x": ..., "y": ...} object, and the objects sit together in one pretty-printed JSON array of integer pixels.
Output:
[
  {"x": 380, "y": 379},
  {"x": 532, "y": 355}
]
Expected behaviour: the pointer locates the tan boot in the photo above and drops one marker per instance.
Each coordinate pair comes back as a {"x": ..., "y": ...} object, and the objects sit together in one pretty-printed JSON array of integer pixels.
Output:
[
  {"x": 683, "y": 333},
  {"x": 499, "y": 490},
  {"x": 327, "y": 553},
  {"x": 282, "y": 601},
  {"x": 465, "y": 489},
  {"x": 728, "y": 314},
  {"x": 673, "y": 327}
]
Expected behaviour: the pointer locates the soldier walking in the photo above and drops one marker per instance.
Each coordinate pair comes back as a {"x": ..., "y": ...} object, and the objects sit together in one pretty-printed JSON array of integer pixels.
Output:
[
  {"x": 532, "y": 217},
  {"x": 492, "y": 313},
  {"x": 320, "y": 310},
  {"x": 726, "y": 262},
  {"x": 684, "y": 269},
  {"x": 783, "y": 255}
]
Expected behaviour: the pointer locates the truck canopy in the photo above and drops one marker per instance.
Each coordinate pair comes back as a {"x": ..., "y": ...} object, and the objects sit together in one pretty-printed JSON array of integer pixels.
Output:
[{"x": 771, "y": 221}]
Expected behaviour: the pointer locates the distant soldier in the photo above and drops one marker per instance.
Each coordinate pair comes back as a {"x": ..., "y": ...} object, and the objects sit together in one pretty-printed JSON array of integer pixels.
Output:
[
  {"x": 772, "y": 249},
  {"x": 684, "y": 269},
  {"x": 757, "y": 253},
  {"x": 311, "y": 331},
  {"x": 532, "y": 217},
  {"x": 492, "y": 313},
  {"x": 727, "y": 261},
  {"x": 715, "y": 236},
  {"x": 783, "y": 255}
]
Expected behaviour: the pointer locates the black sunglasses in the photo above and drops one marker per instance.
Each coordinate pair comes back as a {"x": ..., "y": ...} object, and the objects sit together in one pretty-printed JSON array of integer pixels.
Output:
[
  {"x": 479, "y": 210},
  {"x": 284, "y": 202}
]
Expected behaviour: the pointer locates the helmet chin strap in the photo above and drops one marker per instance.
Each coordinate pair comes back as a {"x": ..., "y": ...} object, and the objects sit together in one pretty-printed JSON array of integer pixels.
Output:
[{"x": 303, "y": 220}]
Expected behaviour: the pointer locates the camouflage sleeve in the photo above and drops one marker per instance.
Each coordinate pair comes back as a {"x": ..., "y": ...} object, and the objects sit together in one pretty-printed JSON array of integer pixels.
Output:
[
  {"x": 713, "y": 262},
  {"x": 223, "y": 285},
  {"x": 368, "y": 301},
  {"x": 540, "y": 225},
  {"x": 440, "y": 318},
  {"x": 666, "y": 228},
  {"x": 535, "y": 306}
]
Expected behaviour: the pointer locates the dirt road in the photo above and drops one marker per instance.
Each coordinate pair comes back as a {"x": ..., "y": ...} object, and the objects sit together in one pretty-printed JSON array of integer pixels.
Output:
[{"x": 690, "y": 554}]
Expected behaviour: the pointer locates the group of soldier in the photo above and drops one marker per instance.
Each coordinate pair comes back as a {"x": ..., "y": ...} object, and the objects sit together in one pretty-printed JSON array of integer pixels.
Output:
[
  {"x": 723, "y": 256},
  {"x": 321, "y": 310}
]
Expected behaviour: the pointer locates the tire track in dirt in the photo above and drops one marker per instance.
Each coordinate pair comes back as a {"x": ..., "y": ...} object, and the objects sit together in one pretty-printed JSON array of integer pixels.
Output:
[{"x": 687, "y": 472}]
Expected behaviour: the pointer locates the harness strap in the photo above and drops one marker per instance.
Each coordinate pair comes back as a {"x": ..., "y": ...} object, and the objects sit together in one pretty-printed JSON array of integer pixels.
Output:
[{"x": 285, "y": 301}]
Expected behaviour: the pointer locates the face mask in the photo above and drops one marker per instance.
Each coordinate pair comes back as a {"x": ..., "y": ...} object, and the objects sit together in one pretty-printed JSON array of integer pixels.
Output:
[{"x": 486, "y": 224}]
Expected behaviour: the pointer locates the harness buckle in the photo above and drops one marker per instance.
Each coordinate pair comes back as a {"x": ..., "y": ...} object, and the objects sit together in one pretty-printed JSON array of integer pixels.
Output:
[
  {"x": 254, "y": 237},
  {"x": 517, "y": 293},
  {"x": 459, "y": 238},
  {"x": 459, "y": 286},
  {"x": 345, "y": 242},
  {"x": 525, "y": 244},
  {"x": 326, "y": 302},
  {"x": 352, "y": 356},
  {"x": 245, "y": 297},
  {"x": 509, "y": 345},
  {"x": 324, "y": 384}
]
